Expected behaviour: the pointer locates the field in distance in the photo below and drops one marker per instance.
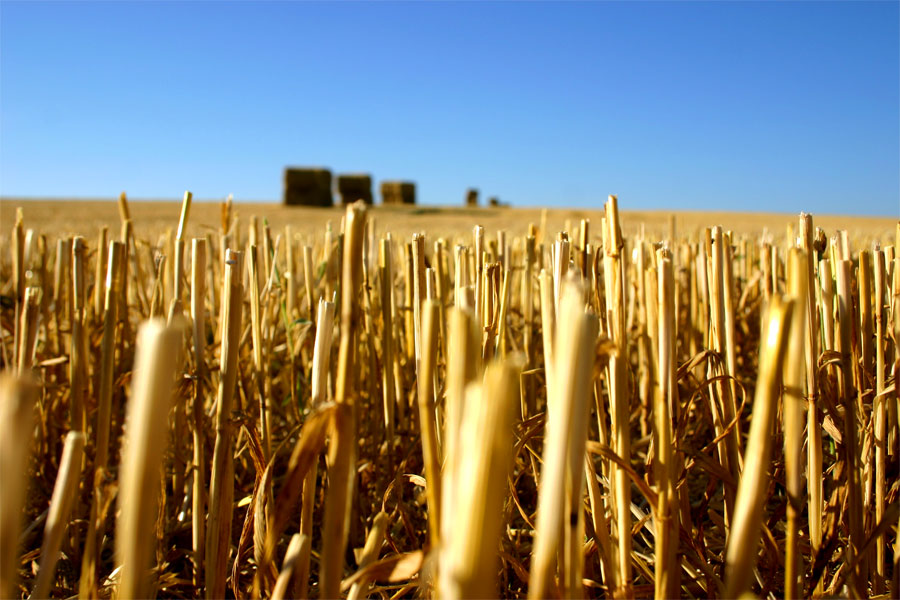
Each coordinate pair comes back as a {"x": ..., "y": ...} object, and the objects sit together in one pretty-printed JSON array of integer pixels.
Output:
[{"x": 83, "y": 216}]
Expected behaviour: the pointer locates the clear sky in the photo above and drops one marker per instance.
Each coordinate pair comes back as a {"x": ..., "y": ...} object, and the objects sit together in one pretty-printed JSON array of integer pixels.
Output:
[{"x": 679, "y": 105}]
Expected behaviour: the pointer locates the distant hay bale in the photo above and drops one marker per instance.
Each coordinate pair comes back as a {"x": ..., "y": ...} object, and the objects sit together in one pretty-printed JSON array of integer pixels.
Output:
[
  {"x": 472, "y": 197},
  {"x": 398, "y": 192},
  {"x": 304, "y": 186},
  {"x": 494, "y": 202},
  {"x": 353, "y": 187}
]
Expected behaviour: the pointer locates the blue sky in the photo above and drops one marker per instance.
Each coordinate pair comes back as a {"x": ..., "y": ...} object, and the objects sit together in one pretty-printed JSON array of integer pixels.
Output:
[{"x": 677, "y": 105}]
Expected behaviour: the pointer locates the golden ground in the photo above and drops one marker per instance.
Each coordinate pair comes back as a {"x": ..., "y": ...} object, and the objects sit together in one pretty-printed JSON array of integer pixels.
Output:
[{"x": 83, "y": 217}]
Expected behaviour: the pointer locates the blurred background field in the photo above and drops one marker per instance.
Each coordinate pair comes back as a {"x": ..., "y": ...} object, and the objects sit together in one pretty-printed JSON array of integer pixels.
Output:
[{"x": 83, "y": 216}]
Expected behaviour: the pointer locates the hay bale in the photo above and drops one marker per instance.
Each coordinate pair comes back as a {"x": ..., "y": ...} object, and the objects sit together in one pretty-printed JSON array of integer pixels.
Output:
[
  {"x": 353, "y": 187},
  {"x": 472, "y": 197},
  {"x": 398, "y": 192},
  {"x": 305, "y": 186},
  {"x": 494, "y": 202}
]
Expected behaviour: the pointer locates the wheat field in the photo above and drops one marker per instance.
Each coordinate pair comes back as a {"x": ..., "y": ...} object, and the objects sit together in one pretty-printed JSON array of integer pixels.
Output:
[{"x": 217, "y": 400}]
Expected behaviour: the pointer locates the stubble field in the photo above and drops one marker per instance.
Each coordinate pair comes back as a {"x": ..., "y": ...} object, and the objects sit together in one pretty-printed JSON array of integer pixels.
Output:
[{"x": 216, "y": 400}]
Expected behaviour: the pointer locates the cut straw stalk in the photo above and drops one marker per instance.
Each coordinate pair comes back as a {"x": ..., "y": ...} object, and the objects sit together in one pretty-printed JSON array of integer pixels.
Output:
[
  {"x": 864, "y": 364},
  {"x": 78, "y": 347},
  {"x": 176, "y": 315},
  {"x": 564, "y": 448},
  {"x": 441, "y": 291},
  {"x": 198, "y": 322},
  {"x": 813, "y": 427},
  {"x": 18, "y": 395},
  {"x": 258, "y": 357},
  {"x": 342, "y": 451},
  {"x": 409, "y": 310},
  {"x": 430, "y": 451},
  {"x": 309, "y": 281},
  {"x": 469, "y": 553},
  {"x": 895, "y": 312},
  {"x": 645, "y": 360},
  {"x": 62, "y": 289},
  {"x": 17, "y": 248},
  {"x": 387, "y": 337},
  {"x": 128, "y": 254},
  {"x": 218, "y": 538},
  {"x": 178, "y": 265},
  {"x": 418, "y": 273},
  {"x": 100, "y": 274},
  {"x": 64, "y": 491},
  {"x": 461, "y": 290},
  {"x": 728, "y": 445},
  {"x": 322, "y": 351},
  {"x": 793, "y": 420},
  {"x": 142, "y": 455},
  {"x": 319, "y": 377},
  {"x": 28, "y": 328},
  {"x": 527, "y": 301},
  {"x": 462, "y": 350},
  {"x": 107, "y": 351},
  {"x": 744, "y": 535},
  {"x": 880, "y": 417},
  {"x": 290, "y": 273},
  {"x": 851, "y": 455},
  {"x": 667, "y": 565},
  {"x": 478, "y": 235},
  {"x": 614, "y": 272},
  {"x": 548, "y": 329},
  {"x": 88, "y": 580}
]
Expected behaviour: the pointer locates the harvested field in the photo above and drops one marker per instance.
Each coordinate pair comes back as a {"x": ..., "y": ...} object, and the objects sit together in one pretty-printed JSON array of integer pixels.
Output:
[
  {"x": 252, "y": 400},
  {"x": 79, "y": 217}
]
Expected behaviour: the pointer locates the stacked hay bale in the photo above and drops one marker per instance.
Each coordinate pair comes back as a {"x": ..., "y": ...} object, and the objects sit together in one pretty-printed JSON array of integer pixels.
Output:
[
  {"x": 472, "y": 197},
  {"x": 304, "y": 186},
  {"x": 355, "y": 186},
  {"x": 398, "y": 192},
  {"x": 494, "y": 201}
]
